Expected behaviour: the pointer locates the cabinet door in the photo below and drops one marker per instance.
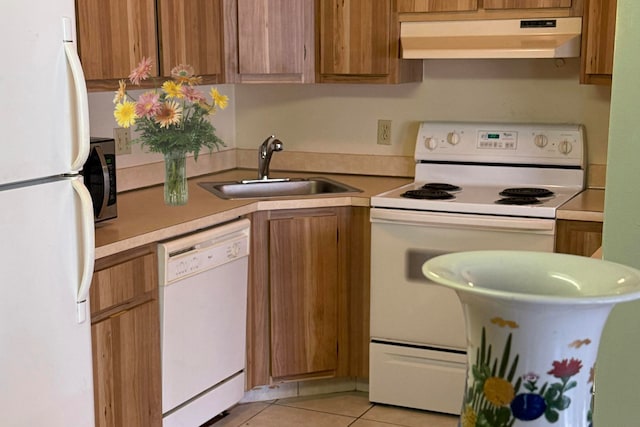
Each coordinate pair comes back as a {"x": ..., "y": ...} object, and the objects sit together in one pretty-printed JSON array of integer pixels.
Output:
[
  {"x": 125, "y": 334},
  {"x": 437, "y": 5},
  {"x": 191, "y": 33},
  {"x": 578, "y": 237},
  {"x": 526, "y": 4},
  {"x": 304, "y": 295},
  {"x": 354, "y": 36},
  {"x": 273, "y": 40},
  {"x": 127, "y": 384},
  {"x": 598, "y": 39},
  {"x": 113, "y": 35}
]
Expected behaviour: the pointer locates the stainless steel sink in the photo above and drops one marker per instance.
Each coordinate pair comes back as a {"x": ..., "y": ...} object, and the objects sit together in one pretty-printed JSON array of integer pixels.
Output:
[{"x": 260, "y": 189}]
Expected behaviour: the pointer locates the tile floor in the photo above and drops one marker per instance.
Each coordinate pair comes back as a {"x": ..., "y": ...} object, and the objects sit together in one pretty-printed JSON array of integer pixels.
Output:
[{"x": 351, "y": 409}]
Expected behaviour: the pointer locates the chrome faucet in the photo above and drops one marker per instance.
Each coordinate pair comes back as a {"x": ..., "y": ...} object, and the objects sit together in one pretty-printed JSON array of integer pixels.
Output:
[{"x": 265, "y": 151}]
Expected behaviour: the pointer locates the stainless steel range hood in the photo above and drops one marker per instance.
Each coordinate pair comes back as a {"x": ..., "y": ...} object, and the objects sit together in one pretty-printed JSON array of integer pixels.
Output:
[{"x": 504, "y": 38}]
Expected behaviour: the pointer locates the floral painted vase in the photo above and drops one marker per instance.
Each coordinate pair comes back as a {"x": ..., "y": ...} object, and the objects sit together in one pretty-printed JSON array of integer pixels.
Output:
[
  {"x": 176, "y": 191},
  {"x": 533, "y": 324}
]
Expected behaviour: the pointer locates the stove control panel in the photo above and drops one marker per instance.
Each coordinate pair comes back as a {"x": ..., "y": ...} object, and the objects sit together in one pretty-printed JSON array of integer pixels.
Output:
[{"x": 510, "y": 143}]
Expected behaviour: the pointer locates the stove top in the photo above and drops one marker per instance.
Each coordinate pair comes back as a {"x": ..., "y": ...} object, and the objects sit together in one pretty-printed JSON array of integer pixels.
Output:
[{"x": 494, "y": 169}]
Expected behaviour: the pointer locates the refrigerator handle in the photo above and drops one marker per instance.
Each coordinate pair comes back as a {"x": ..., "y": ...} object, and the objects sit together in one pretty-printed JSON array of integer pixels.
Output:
[
  {"x": 80, "y": 95},
  {"x": 88, "y": 245}
]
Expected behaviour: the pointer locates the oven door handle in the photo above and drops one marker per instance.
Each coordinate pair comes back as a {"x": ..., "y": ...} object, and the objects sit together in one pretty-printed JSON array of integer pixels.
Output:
[{"x": 393, "y": 216}]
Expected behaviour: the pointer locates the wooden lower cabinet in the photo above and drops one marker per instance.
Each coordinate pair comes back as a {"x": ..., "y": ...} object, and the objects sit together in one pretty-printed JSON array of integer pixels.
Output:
[
  {"x": 125, "y": 330},
  {"x": 578, "y": 237},
  {"x": 303, "y": 279},
  {"x": 308, "y": 295}
]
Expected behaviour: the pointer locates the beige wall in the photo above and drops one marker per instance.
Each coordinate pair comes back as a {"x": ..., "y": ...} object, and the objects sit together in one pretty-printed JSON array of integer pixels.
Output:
[
  {"x": 331, "y": 118},
  {"x": 343, "y": 118}
]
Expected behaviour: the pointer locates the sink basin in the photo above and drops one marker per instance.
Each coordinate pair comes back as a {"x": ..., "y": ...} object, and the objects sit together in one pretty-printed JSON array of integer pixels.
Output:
[{"x": 259, "y": 189}]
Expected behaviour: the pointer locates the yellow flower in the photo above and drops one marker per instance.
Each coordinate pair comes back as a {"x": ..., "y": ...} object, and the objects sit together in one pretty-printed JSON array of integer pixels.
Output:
[
  {"x": 220, "y": 100},
  {"x": 170, "y": 114},
  {"x": 172, "y": 89},
  {"x": 121, "y": 92},
  {"x": 498, "y": 391},
  {"x": 469, "y": 417},
  {"x": 125, "y": 114}
]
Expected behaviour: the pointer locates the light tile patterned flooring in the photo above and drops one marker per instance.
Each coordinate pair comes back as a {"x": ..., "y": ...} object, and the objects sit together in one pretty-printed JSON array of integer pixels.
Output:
[{"x": 351, "y": 409}]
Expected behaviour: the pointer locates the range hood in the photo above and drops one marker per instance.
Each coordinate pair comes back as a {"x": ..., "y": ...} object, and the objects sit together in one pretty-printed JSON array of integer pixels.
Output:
[{"x": 501, "y": 38}]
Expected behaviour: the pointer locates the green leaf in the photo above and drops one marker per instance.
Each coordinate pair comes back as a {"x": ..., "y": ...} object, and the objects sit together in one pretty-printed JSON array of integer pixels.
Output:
[
  {"x": 551, "y": 415},
  {"x": 570, "y": 385},
  {"x": 505, "y": 357}
]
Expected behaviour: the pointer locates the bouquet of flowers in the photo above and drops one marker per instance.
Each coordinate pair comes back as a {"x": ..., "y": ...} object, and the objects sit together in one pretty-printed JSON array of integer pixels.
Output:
[{"x": 172, "y": 118}]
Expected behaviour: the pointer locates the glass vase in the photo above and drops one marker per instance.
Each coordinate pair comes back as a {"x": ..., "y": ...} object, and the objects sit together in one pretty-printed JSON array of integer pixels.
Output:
[
  {"x": 533, "y": 325},
  {"x": 176, "y": 191}
]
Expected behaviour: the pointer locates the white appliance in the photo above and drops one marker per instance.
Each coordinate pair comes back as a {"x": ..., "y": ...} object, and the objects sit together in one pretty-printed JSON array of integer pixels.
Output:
[
  {"x": 203, "y": 279},
  {"x": 491, "y": 38},
  {"x": 46, "y": 220},
  {"x": 417, "y": 349}
]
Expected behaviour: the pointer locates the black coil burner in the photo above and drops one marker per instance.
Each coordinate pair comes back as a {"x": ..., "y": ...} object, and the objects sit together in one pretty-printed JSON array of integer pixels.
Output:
[
  {"x": 441, "y": 186},
  {"x": 429, "y": 194},
  {"x": 526, "y": 192},
  {"x": 523, "y": 200}
]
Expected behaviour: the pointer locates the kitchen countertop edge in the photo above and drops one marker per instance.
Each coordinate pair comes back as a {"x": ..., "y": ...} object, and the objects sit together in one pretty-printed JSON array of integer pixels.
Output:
[
  {"x": 586, "y": 206},
  {"x": 143, "y": 218}
]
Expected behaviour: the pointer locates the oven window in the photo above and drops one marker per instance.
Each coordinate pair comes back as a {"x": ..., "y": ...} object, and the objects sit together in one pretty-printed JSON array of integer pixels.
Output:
[{"x": 415, "y": 259}]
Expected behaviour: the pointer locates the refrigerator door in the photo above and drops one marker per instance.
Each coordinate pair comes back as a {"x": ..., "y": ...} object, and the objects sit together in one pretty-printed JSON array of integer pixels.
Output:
[
  {"x": 45, "y": 111},
  {"x": 46, "y": 374}
]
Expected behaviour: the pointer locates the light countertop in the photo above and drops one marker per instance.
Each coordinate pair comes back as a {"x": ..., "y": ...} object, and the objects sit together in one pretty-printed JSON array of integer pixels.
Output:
[
  {"x": 586, "y": 206},
  {"x": 144, "y": 218}
]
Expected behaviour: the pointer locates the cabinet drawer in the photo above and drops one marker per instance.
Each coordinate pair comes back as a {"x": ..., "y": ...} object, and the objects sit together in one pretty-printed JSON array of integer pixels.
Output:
[{"x": 124, "y": 280}]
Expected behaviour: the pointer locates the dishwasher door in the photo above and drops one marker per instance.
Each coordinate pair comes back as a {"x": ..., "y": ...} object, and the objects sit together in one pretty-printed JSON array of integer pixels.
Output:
[{"x": 203, "y": 297}]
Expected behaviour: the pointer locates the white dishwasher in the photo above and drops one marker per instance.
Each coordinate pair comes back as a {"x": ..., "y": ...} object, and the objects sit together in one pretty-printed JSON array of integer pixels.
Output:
[{"x": 203, "y": 311}]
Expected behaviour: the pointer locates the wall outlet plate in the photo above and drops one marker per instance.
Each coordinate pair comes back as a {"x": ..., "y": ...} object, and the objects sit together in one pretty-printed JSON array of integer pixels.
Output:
[
  {"x": 122, "y": 137},
  {"x": 384, "y": 132}
]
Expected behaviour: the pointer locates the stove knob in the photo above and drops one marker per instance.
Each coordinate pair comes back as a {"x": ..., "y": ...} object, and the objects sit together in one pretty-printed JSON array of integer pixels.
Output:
[
  {"x": 565, "y": 147},
  {"x": 541, "y": 140},
  {"x": 431, "y": 143},
  {"x": 453, "y": 138}
]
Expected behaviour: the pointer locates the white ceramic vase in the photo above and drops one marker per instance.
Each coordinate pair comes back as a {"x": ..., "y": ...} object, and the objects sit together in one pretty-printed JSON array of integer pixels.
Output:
[{"x": 533, "y": 323}]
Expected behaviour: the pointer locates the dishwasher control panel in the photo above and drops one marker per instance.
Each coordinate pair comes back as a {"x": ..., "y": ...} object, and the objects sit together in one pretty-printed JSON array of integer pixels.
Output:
[{"x": 203, "y": 251}]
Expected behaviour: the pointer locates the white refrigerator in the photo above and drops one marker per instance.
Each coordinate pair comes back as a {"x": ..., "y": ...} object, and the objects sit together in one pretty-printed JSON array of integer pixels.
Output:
[{"x": 46, "y": 220}]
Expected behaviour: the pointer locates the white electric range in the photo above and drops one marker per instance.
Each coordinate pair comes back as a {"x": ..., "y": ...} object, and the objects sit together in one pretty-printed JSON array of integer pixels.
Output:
[{"x": 477, "y": 186}]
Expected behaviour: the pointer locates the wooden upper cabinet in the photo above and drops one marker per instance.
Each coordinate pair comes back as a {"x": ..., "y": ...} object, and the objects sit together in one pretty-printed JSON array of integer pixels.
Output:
[
  {"x": 437, "y": 5},
  {"x": 269, "y": 41},
  {"x": 526, "y": 4},
  {"x": 354, "y": 37},
  {"x": 191, "y": 33},
  {"x": 598, "y": 39},
  {"x": 359, "y": 43},
  {"x": 113, "y": 35}
]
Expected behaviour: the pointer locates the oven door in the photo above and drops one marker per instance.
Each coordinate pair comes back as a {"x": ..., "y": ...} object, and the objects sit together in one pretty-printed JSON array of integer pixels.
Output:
[{"x": 405, "y": 306}]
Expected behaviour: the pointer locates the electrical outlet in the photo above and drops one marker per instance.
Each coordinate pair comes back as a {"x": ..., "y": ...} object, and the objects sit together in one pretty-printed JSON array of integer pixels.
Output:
[
  {"x": 123, "y": 140},
  {"x": 384, "y": 132}
]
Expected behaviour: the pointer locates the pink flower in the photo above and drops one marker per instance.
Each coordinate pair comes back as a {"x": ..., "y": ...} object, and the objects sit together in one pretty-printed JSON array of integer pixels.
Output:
[
  {"x": 566, "y": 368},
  {"x": 148, "y": 105},
  {"x": 192, "y": 94},
  {"x": 142, "y": 71}
]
